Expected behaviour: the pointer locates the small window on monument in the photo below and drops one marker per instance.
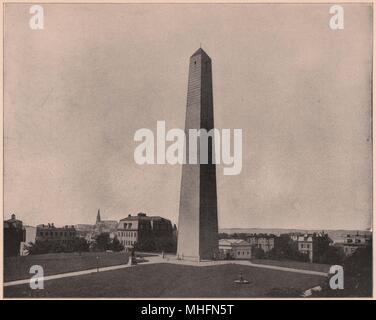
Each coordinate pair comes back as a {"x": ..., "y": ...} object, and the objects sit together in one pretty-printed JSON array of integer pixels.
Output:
[{"x": 195, "y": 62}]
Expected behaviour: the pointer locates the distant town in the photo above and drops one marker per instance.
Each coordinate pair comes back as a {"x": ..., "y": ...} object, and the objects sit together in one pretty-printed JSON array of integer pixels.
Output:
[{"x": 144, "y": 233}]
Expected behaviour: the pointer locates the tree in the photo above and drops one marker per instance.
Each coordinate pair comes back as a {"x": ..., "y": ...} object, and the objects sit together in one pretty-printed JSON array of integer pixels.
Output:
[
  {"x": 357, "y": 276},
  {"x": 102, "y": 242},
  {"x": 116, "y": 245},
  {"x": 147, "y": 244},
  {"x": 80, "y": 245},
  {"x": 37, "y": 247},
  {"x": 332, "y": 255},
  {"x": 46, "y": 246},
  {"x": 258, "y": 253},
  {"x": 156, "y": 244},
  {"x": 286, "y": 248},
  {"x": 241, "y": 235},
  {"x": 358, "y": 271}
]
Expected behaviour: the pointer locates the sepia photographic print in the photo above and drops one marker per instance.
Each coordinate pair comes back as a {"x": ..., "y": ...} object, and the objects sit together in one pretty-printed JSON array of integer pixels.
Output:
[{"x": 187, "y": 150}]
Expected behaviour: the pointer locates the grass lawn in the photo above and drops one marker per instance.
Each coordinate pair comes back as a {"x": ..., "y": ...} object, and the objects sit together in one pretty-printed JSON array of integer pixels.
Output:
[
  {"x": 294, "y": 264},
  {"x": 16, "y": 268},
  {"x": 169, "y": 280}
]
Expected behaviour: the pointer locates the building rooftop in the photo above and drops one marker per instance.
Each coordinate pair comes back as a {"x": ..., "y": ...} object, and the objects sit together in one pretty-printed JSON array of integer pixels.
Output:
[
  {"x": 52, "y": 226},
  {"x": 142, "y": 216},
  {"x": 13, "y": 219},
  {"x": 312, "y": 236},
  {"x": 233, "y": 242}
]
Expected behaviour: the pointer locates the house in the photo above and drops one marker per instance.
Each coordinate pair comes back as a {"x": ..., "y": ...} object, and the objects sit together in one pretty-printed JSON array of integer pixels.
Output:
[
  {"x": 313, "y": 245},
  {"x": 149, "y": 232},
  {"x": 234, "y": 249},
  {"x": 262, "y": 241},
  {"x": 353, "y": 242}
]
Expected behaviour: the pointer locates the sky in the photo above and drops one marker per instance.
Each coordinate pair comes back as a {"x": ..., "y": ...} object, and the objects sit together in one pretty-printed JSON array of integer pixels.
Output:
[{"x": 76, "y": 92}]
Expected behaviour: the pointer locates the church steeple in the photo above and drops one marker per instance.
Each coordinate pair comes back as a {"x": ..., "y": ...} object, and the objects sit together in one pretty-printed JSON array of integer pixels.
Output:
[{"x": 99, "y": 216}]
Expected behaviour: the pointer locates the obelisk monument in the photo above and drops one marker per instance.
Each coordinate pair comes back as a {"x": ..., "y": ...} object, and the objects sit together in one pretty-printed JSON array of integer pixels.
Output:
[{"x": 198, "y": 217}]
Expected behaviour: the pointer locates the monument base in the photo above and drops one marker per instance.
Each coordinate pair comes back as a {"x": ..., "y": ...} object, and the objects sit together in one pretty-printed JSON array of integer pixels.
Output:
[
  {"x": 188, "y": 258},
  {"x": 214, "y": 256}
]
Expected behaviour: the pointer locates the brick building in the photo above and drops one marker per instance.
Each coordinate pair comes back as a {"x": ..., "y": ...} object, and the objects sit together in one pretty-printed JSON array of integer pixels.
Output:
[
  {"x": 14, "y": 235},
  {"x": 49, "y": 232},
  {"x": 262, "y": 241},
  {"x": 149, "y": 232}
]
